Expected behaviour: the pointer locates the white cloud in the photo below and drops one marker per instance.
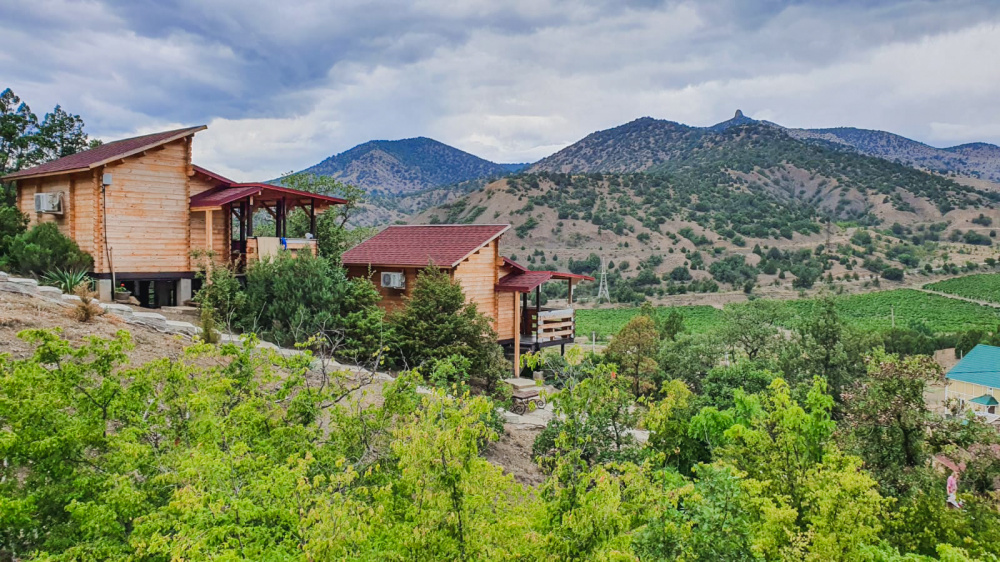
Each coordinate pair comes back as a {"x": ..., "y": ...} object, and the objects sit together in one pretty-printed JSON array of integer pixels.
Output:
[{"x": 284, "y": 85}]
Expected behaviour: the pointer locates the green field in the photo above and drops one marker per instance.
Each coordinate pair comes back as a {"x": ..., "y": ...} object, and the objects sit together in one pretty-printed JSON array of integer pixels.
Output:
[
  {"x": 984, "y": 287},
  {"x": 868, "y": 311},
  {"x": 607, "y": 321}
]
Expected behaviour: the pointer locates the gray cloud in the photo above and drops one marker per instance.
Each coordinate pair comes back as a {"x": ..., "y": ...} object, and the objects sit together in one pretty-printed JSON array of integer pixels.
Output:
[{"x": 285, "y": 84}]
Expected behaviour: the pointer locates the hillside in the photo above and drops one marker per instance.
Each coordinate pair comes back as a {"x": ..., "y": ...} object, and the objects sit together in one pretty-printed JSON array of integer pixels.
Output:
[
  {"x": 657, "y": 196},
  {"x": 405, "y": 166}
]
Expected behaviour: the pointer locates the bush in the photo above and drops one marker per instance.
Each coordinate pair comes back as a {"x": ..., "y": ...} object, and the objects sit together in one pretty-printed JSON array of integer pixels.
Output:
[
  {"x": 892, "y": 274},
  {"x": 288, "y": 300},
  {"x": 12, "y": 223},
  {"x": 43, "y": 249},
  {"x": 437, "y": 323}
]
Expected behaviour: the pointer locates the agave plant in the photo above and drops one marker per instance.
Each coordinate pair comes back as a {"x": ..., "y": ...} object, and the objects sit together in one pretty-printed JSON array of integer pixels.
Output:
[{"x": 65, "y": 279}]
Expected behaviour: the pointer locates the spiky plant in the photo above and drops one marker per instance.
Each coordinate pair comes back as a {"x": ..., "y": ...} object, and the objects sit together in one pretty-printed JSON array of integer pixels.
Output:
[
  {"x": 66, "y": 280},
  {"x": 88, "y": 308}
]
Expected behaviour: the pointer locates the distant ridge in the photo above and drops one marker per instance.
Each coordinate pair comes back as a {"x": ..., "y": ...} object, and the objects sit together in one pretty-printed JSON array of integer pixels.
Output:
[{"x": 393, "y": 167}]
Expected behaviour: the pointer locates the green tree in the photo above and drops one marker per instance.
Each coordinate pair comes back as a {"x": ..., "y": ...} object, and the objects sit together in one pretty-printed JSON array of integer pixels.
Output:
[
  {"x": 887, "y": 421},
  {"x": 334, "y": 234},
  {"x": 44, "y": 248},
  {"x": 751, "y": 328},
  {"x": 634, "y": 349},
  {"x": 437, "y": 323}
]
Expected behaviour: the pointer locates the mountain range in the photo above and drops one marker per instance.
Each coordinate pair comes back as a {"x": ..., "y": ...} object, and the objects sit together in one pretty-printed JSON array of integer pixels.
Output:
[{"x": 384, "y": 167}]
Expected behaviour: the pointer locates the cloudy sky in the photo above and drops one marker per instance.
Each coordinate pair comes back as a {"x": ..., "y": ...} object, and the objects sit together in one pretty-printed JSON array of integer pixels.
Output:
[{"x": 283, "y": 84}]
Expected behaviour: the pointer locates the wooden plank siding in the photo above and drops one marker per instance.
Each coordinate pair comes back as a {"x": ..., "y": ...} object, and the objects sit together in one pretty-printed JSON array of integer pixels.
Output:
[
  {"x": 77, "y": 220},
  {"x": 220, "y": 234},
  {"x": 478, "y": 275},
  {"x": 147, "y": 207}
]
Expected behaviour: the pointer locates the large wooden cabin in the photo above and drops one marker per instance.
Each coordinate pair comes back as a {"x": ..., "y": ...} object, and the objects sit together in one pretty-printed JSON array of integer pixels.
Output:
[
  {"x": 143, "y": 211},
  {"x": 470, "y": 253}
]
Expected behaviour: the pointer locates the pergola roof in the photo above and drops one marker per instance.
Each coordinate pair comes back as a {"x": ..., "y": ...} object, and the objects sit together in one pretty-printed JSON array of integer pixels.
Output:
[
  {"x": 523, "y": 280},
  {"x": 228, "y": 193}
]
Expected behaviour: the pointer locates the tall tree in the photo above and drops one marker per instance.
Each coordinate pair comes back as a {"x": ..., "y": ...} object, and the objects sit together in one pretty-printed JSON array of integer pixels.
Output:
[
  {"x": 634, "y": 348},
  {"x": 334, "y": 234}
]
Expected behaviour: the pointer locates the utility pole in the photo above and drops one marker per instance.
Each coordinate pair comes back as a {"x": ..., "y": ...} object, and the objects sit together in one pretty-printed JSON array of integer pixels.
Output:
[{"x": 602, "y": 291}]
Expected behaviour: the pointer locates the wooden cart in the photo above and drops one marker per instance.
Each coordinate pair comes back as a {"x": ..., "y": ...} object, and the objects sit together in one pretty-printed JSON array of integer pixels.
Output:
[{"x": 521, "y": 398}]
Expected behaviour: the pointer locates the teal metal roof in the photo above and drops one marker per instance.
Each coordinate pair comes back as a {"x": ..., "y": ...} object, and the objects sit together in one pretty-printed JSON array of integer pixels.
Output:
[
  {"x": 985, "y": 400},
  {"x": 981, "y": 366}
]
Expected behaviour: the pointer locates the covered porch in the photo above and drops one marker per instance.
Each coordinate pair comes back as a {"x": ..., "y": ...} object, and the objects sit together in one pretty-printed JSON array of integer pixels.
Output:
[
  {"x": 541, "y": 326},
  {"x": 240, "y": 203}
]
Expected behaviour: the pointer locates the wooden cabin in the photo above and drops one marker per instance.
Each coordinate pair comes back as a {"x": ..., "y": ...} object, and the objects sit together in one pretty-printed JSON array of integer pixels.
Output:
[
  {"x": 143, "y": 211},
  {"x": 470, "y": 253}
]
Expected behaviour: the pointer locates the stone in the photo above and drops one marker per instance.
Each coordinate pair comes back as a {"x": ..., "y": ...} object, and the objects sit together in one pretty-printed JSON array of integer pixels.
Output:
[
  {"x": 150, "y": 319},
  {"x": 23, "y": 281},
  {"x": 51, "y": 292},
  {"x": 70, "y": 298},
  {"x": 119, "y": 309},
  {"x": 186, "y": 327}
]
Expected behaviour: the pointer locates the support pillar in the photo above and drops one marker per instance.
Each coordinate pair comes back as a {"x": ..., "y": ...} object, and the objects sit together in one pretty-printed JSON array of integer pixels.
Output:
[
  {"x": 105, "y": 290},
  {"x": 183, "y": 291}
]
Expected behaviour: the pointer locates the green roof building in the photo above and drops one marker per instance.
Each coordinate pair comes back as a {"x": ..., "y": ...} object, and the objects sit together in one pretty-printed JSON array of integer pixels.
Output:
[{"x": 975, "y": 380}]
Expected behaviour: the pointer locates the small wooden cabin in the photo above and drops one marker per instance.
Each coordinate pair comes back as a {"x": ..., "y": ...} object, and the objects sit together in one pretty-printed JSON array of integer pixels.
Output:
[
  {"x": 141, "y": 209},
  {"x": 470, "y": 253}
]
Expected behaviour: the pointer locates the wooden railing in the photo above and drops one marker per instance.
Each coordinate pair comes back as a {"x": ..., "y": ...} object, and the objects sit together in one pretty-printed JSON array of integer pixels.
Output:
[
  {"x": 548, "y": 324},
  {"x": 263, "y": 247}
]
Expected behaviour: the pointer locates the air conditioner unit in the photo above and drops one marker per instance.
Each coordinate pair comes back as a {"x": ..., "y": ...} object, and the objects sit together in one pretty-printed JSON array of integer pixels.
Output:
[
  {"x": 48, "y": 203},
  {"x": 393, "y": 280}
]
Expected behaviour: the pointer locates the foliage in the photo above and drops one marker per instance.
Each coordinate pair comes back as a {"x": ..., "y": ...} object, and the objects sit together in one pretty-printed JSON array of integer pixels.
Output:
[
  {"x": 887, "y": 420},
  {"x": 333, "y": 235},
  {"x": 752, "y": 328},
  {"x": 12, "y": 223},
  {"x": 43, "y": 248},
  {"x": 65, "y": 279},
  {"x": 634, "y": 349},
  {"x": 606, "y": 322},
  {"x": 291, "y": 300},
  {"x": 438, "y": 323},
  {"x": 591, "y": 420}
]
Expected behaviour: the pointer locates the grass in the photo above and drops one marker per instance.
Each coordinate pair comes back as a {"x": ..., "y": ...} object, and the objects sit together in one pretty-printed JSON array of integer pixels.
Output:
[
  {"x": 868, "y": 311},
  {"x": 984, "y": 287}
]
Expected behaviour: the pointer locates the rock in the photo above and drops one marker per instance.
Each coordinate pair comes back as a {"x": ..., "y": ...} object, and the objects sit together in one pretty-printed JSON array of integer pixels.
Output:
[
  {"x": 70, "y": 298},
  {"x": 119, "y": 309},
  {"x": 51, "y": 292},
  {"x": 185, "y": 327},
  {"x": 134, "y": 301},
  {"x": 150, "y": 319}
]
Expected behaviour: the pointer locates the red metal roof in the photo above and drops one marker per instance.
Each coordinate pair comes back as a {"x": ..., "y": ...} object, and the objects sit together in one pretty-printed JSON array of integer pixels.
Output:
[
  {"x": 219, "y": 196},
  {"x": 444, "y": 245},
  {"x": 223, "y": 195},
  {"x": 108, "y": 152}
]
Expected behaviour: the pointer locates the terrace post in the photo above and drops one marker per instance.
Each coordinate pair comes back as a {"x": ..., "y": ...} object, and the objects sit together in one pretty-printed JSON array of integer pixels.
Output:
[{"x": 312, "y": 217}]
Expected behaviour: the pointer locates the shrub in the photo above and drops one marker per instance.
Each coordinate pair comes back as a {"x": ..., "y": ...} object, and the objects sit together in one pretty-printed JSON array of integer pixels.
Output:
[
  {"x": 88, "y": 308},
  {"x": 12, "y": 223},
  {"x": 892, "y": 274},
  {"x": 289, "y": 300},
  {"x": 44, "y": 248},
  {"x": 437, "y": 323}
]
